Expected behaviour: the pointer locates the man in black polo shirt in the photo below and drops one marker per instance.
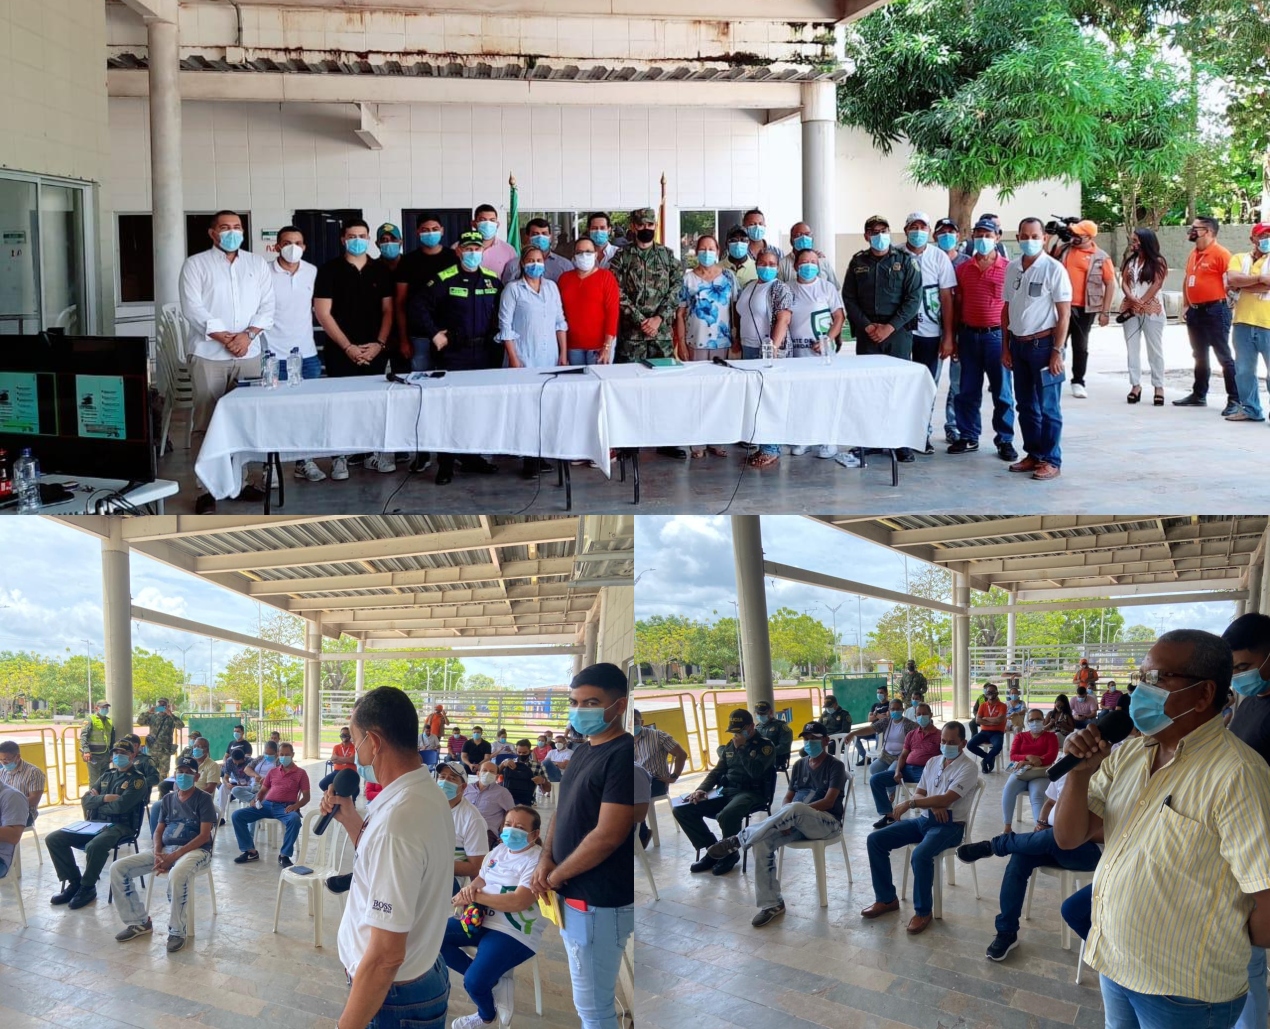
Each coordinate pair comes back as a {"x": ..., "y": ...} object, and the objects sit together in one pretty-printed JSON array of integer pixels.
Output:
[
  {"x": 352, "y": 298},
  {"x": 878, "y": 715},
  {"x": 416, "y": 270},
  {"x": 522, "y": 774},
  {"x": 475, "y": 750},
  {"x": 588, "y": 854}
]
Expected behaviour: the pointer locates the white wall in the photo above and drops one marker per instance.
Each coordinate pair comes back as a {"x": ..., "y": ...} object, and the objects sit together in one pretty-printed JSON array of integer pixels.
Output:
[{"x": 616, "y": 640}]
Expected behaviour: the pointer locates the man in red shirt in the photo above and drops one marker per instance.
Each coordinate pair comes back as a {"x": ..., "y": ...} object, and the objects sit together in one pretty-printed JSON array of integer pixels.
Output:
[
  {"x": 920, "y": 745},
  {"x": 590, "y": 298},
  {"x": 283, "y": 792},
  {"x": 977, "y": 311},
  {"x": 991, "y": 718},
  {"x": 1207, "y": 314}
]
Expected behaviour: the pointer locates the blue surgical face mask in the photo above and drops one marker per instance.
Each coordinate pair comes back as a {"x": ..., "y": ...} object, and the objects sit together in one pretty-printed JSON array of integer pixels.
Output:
[
  {"x": 1035, "y": 727},
  {"x": 808, "y": 272},
  {"x": 357, "y": 245},
  {"x": 9, "y": 766},
  {"x": 470, "y": 259},
  {"x": 119, "y": 761},
  {"x": 923, "y": 720},
  {"x": 738, "y": 249},
  {"x": 430, "y": 239},
  {"x": 487, "y": 229},
  {"x": 765, "y": 273},
  {"x": 589, "y": 721},
  {"x": 918, "y": 238},
  {"x": 540, "y": 241},
  {"x": 145, "y": 750},
  {"x": 184, "y": 781},
  {"x": 451, "y": 790},
  {"x": 1249, "y": 682},
  {"x": 600, "y": 237},
  {"x": 231, "y": 240},
  {"x": 513, "y": 838},
  {"x": 813, "y": 748},
  {"x": 880, "y": 241},
  {"x": 946, "y": 240},
  {"x": 198, "y": 752},
  {"x": 896, "y": 715},
  {"x": 161, "y": 708},
  {"x": 534, "y": 270},
  {"x": 1146, "y": 707},
  {"x": 949, "y": 750},
  {"x": 391, "y": 251},
  {"x": 1264, "y": 245},
  {"x": 238, "y": 735},
  {"x": 983, "y": 245},
  {"x": 707, "y": 258},
  {"x": 285, "y": 760},
  {"x": 634, "y": 732},
  {"x": 476, "y": 736},
  {"x": 803, "y": 243},
  {"x": 763, "y": 719},
  {"x": 1030, "y": 247},
  {"x": 756, "y": 232}
]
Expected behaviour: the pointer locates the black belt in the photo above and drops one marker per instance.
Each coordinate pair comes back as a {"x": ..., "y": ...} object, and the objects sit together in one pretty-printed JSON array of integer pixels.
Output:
[
  {"x": 985, "y": 328},
  {"x": 1029, "y": 339},
  {"x": 1206, "y": 303}
]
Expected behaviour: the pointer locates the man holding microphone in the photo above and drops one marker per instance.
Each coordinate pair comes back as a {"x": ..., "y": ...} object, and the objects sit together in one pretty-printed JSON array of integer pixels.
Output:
[{"x": 390, "y": 935}]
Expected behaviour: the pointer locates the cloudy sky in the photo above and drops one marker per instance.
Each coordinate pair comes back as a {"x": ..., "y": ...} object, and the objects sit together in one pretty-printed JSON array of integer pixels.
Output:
[
  {"x": 685, "y": 564},
  {"x": 50, "y": 600}
]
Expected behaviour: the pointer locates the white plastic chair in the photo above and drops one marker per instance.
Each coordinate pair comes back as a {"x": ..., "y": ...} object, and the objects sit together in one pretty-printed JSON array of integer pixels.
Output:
[
  {"x": 511, "y": 974},
  {"x": 11, "y": 879},
  {"x": 39, "y": 851},
  {"x": 651, "y": 817},
  {"x": 949, "y": 859},
  {"x": 173, "y": 373},
  {"x": 839, "y": 741},
  {"x": 323, "y": 867},
  {"x": 818, "y": 848},
  {"x": 189, "y": 904},
  {"x": 1068, "y": 883},
  {"x": 643, "y": 860}
]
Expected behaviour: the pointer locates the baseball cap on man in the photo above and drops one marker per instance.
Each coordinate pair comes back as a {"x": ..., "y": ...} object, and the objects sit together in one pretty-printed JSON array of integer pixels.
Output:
[
  {"x": 1086, "y": 228},
  {"x": 471, "y": 239},
  {"x": 1261, "y": 229},
  {"x": 388, "y": 229},
  {"x": 815, "y": 728},
  {"x": 917, "y": 216},
  {"x": 987, "y": 225},
  {"x": 739, "y": 719}
]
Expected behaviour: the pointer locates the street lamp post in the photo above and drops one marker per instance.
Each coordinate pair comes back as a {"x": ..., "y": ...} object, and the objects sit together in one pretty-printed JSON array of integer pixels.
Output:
[
  {"x": 88, "y": 650},
  {"x": 859, "y": 602},
  {"x": 834, "y": 611}
]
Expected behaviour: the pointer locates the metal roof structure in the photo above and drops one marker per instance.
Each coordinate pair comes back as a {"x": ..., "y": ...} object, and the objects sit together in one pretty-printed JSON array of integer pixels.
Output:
[{"x": 463, "y": 580}]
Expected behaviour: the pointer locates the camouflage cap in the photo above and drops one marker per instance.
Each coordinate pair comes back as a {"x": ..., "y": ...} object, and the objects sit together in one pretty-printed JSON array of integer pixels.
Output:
[{"x": 644, "y": 215}]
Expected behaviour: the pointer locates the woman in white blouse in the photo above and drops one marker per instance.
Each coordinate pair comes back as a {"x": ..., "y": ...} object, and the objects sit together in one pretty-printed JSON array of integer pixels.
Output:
[
  {"x": 1141, "y": 314},
  {"x": 531, "y": 322}
]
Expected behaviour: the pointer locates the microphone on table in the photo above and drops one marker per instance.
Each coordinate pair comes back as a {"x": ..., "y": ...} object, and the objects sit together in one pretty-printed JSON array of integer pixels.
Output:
[
  {"x": 392, "y": 376},
  {"x": 719, "y": 360},
  {"x": 1113, "y": 726},
  {"x": 346, "y": 784}
]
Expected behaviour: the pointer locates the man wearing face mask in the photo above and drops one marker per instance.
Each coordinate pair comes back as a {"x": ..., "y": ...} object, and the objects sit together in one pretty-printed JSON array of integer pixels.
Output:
[
  {"x": 776, "y": 731},
  {"x": 933, "y": 333},
  {"x": 836, "y": 719},
  {"x": 944, "y": 796},
  {"x": 755, "y": 225},
  {"x": 1207, "y": 314},
  {"x": 491, "y": 799},
  {"x": 882, "y": 292},
  {"x": 889, "y": 730},
  {"x": 800, "y": 239},
  {"x": 538, "y": 234},
  {"x": 1183, "y": 888},
  {"x": 283, "y": 793},
  {"x": 991, "y": 717},
  {"x": 238, "y": 741},
  {"x": 1249, "y": 275},
  {"x": 96, "y": 739},
  {"x": 388, "y": 242},
  {"x": 947, "y": 233},
  {"x": 475, "y": 750},
  {"x": 522, "y": 774},
  {"x": 20, "y": 775},
  {"x": 227, "y": 301},
  {"x": 1093, "y": 275},
  {"x": 208, "y": 778},
  {"x": 648, "y": 279},
  {"x": 1084, "y": 707},
  {"x": 416, "y": 270},
  {"x": 117, "y": 797},
  {"x": 599, "y": 230},
  {"x": 496, "y": 254},
  {"x": 920, "y": 746},
  {"x": 163, "y": 722},
  {"x": 913, "y": 685},
  {"x": 812, "y": 810},
  {"x": 590, "y": 299},
  {"x": 878, "y": 716},
  {"x": 737, "y": 258}
]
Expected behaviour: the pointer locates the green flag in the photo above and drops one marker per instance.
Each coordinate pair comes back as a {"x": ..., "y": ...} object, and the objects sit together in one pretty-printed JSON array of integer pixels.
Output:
[{"x": 513, "y": 216}]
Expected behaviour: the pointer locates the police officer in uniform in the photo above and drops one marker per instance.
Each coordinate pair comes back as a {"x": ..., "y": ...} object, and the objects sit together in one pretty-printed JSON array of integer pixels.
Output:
[
  {"x": 458, "y": 311},
  {"x": 742, "y": 771},
  {"x": 118, "y": 797},
  {"x": 95, "y": 740},
  {"x": 779, "y": 734},
  {"x": 161, "y": 742},
  {"x": 141, "y": 760},
  {"x": 836, "y": 719}
]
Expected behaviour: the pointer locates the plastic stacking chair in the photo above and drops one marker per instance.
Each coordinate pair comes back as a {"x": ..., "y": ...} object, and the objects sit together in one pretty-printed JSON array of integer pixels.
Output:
[
  {"x": 818, "y": 848},
  {"x": 1068, "y": 883},
  {"x": 511, "y": 975},
  {"x": 39, "y": 851},
  {"x": 652, "y": 817},
  {"x": 11, "y": 880},
  {"x": 949, "y": 858},
  {"x": 327, "y": 858},
  {"x": 189, "y": 904},
  {"x": 643, "y": 860}
]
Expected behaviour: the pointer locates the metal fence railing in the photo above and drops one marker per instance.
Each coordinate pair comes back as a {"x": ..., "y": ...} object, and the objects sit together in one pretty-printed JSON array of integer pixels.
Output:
[
  {"x": 523, "y": 713},
  {"x": 1049, "y": 669}
]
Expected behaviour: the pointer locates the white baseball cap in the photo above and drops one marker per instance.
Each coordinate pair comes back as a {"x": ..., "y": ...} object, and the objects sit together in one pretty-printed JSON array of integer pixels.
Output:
[{"x": 917, "y": 216}]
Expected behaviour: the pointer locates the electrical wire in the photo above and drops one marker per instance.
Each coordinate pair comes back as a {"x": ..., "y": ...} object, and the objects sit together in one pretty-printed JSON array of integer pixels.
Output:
[{"x": 406, "y": 478}]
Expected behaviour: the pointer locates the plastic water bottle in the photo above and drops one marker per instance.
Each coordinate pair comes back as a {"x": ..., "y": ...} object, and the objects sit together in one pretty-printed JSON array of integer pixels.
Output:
[
  {"x": 271, "y": 371},
  {"x": 26, "y": 473},
  {"x": 295, "y": 364}
]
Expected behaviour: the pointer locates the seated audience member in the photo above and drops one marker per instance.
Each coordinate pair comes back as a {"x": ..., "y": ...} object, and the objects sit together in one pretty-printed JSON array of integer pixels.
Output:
[
  {"x": 659, "y": 754},
  {"x": 1032, "y": 752},
  {"x": 991, "y": 719},
  {"x": 946, "y": 791},
  {"x": 557, "y": 759},
  {"x": 234, "y": 777},
  {"x": 342, "y": 759},
  {"x": 429, "y": 747},
  {"x": 499, "y": 745},
  {"x": 1110, "y": 696},
  {"x": 812, "y": 810},
  {"x": 777, "y": 732},
  {"x": 182, "y": 848},
  {"x": 239, "y": 741},
  {"x": 1015, "y": 709},
  {"x": 890, "y": 735},
  {"x": 275, "y": 737},
  {"x": 207, "y": 778},
  {"x": 1027, "y": 852},
  {"x": 283, "y": 793},
  {"x": 1084, "y": 708},
  {"x": 836, "y": 719},
  {"x": 877, "y": 718},
  {"x": 475, "y": 750},
  {"x": 543, "y": 747},
  {"x": 1061, "y": 720},
  {"x": 741, "y": 775},
  {"x": 522, "y": 774},
  {"x": 20, "y": 775},
  {"x": 490, "y": 798},
  {"x": 471, "y": 842},
  {"x": 455, "y": 743},
  {"x": 920, "y": 746},
  {"x": 258, "y": 767},
  {"x": 14, "y": 818},
  {"x": 511, "y": 927},
  {"x": 188, "y": 749}
]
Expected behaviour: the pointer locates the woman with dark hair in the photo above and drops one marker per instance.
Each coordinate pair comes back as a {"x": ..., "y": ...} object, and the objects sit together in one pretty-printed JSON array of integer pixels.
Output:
[
  {"x": 1141, "y": 313},
  {"x": 1060, "y": 719}
]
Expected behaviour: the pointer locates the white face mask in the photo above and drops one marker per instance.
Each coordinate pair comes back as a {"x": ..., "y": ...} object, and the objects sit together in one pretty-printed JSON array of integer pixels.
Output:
[
  {"x": 1035, "y": 727},
  {"x": 487, "y": 778},
  {"x": 584, "y": 262},
  {"x": 292, "y": 252}
]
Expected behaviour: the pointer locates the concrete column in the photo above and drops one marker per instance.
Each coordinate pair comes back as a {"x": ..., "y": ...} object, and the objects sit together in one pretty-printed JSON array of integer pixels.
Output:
[
  {"x": 116, "y": 606},
  {"x": 590, "y": 638},
  {"x": 359, "y": 681},
  {"x": 1255, "y": 574},
  {"x": 312, "y": 723},
  {"x": 1011, "y": 628},
  {"x": 820, "y": 117},
  {"x": 961, "y": 648},
  {"x": 756, "y": 650},
  {"x": 167, "y": 202},
  {"x": 1241, "y": 608}
]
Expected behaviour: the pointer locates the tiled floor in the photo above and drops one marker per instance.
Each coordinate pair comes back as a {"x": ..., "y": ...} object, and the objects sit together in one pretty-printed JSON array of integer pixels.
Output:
[
  {"x": 700, "y": 964},
  {"x": 65, "y": 968}
]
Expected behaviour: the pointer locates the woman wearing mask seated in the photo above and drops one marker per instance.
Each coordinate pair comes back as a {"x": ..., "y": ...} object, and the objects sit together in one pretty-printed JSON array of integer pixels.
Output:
[
  {"x": 1060, "y": 720},
  {"x": 510, "y": 929},
  {"x": 763, "y": 310},
  {"x": 1032, "y": 752},
  {"x": 704, "y": 319},
  {"x": 1015, "y": 709}
]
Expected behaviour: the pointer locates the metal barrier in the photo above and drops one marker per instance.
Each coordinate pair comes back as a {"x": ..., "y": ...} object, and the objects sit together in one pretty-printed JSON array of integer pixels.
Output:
[
  {"x": 800, "y": 704},
  {"x": 523, "y": 713},
  {"x": 680, "y": 719}
]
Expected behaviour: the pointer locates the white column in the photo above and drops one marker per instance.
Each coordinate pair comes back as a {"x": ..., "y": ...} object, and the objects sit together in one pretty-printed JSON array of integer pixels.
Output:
[
  {"x": 165, "y": 158},
  {"x": 359, "y": 681},
  {"x": 1011, "y": 628},
  {"x": 590, "y": 637},
  {"x": 756, "y": 650},
  {"x": 1255, "y": 573},
  {"x": 116, "y": 597},
  {"x": 961, "y": 648},
  {"x": 820, "y": 117},
  {"x": 312, "y": 721}
]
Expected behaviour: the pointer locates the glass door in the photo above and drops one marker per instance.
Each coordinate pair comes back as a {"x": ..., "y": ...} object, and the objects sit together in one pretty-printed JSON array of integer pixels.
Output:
[
  {"x": 19, "y": 269},
  {"x": 62, "y": 253}
]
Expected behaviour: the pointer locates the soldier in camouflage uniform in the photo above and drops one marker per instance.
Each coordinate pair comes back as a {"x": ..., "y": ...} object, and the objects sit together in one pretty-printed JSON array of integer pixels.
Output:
[
  {"x": 649, "y": 278},
  {"x": 162, "y": 739},
  {"x": 743, "y": 770}
]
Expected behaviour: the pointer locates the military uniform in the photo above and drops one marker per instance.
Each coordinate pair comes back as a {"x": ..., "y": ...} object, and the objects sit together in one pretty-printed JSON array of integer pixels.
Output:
[
  {"x": 835, "y": 722},
  {"x": 649, "y": 281},
  {"x": 883, "y": 290},
  {"x": 124, "y": 815},
  {"x": 149, "y": 771},
  {"x": 162, "y": 737},
  {"x": 912, "y": 687},
  {"x": 97, "y": 737},
  {"x": 465, "y": 305},
  {"x": 781, "y": 736},
  {"x": 743, "y": 773}
]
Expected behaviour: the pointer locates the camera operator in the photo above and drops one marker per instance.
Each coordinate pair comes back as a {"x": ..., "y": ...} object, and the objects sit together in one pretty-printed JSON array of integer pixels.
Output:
[{"x": 1093, "y": 276}]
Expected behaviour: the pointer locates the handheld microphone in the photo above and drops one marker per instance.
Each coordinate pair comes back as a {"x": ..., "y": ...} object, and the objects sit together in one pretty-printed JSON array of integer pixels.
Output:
[
  {"x": 392, "y": 376},
  {"x": 346, "y": 784},
  {"x": 1113, "y": 726},
  {"x": 720, "y": 361}
]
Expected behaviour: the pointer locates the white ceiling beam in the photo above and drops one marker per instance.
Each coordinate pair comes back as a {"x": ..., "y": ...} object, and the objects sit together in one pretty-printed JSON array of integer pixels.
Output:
[
  {"x": 796, "y": 10},
  {"x": 1103, "y": 602},
  {"x": 809, "y": 578},
  {"x": 1249, "y": 526},
  {"x": 465, "y": 646},
  {"x": 162, "y": 527},
  {"x": 483, "y": 623},
  {"x": 1040, "y": 591},
  {"x": 371, "y": 130},
  {"x": 988, "y": 528},
  {"x": 1216, "y": 565},
  {"x": 479, "y": 595},
  {"x": 558, "y": 650},
  {"x": 553, "y": 566},
  {"x": 145, "y": 614},
  {"x": 478, "y": 610}
]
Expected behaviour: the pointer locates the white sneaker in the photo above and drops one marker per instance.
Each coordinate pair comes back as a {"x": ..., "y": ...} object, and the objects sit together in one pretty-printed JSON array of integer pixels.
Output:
[
  {"x": 505, "y": 998},
  {"x": 1079, "y": 391},
  {"x": 798, "y": 451},
  {"x": 848, "y": 459},
  {"x": 308, "y": 470},
  {"x": 381, "y": 463},
  {"x": 339, "y": 469},
  {"x": 825, "y": 451},
  {"x": 472, "y": 1021}
]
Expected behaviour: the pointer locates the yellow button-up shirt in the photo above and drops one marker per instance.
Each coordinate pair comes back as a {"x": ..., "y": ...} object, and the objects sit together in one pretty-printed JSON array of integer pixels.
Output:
[{"x": 1185, "y": 848}]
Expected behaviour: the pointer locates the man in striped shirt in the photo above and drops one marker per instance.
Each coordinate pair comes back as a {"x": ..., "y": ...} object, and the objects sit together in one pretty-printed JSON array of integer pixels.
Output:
[
  {"x": 1183, "y": 889},
  {"x": 22, "y": 776},
  {"x": 659, "y": 755}
]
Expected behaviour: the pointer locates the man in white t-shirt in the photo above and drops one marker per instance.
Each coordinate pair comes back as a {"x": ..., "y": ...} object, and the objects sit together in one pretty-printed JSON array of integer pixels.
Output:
[
  {"x": 470, "y": 841},
  {"x": 934, "y": 330},
  {"x": 391, "y": 931},
  {"x": 1038, "y": 305}
]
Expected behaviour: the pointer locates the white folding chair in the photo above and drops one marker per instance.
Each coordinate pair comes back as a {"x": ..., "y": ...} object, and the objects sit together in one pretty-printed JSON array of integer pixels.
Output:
[
  {"x": 818, "y": 848},
  {"x": 325, "y": 864},
  {"x": 11, "y": 879},
  {"x": 189, "y": 904},
  {"x": 643, "y": 860},
  {"x": 510, "y": 974},
  {"x": 173, "y": 373},
  {"x": 652, "y": 816},
  {"x": 948, "y": 858},
  {"x": 39, "y": 851},
  {"x": 1068, "y": 883}
]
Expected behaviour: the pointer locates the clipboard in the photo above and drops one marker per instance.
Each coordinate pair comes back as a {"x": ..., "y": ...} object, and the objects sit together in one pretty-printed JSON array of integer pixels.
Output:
[
  {"x": 714, "y": 794},
  {"x": 549, "y": 905},
  {"x": 87, "y": 828}
]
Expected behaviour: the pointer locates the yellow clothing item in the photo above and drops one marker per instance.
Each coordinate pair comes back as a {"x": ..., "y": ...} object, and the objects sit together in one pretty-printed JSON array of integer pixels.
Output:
[
  {"x": 1253, "y": 305},
  {"x": 1185, "y": 848}
]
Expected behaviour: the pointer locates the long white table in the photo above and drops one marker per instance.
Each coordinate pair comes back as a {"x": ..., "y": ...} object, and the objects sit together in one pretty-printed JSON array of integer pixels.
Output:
[{"x": 88, "y": 494}]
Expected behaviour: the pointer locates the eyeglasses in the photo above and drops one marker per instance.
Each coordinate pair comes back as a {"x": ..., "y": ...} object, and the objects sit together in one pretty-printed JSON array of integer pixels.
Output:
[{"x": 1152, "y": 676}]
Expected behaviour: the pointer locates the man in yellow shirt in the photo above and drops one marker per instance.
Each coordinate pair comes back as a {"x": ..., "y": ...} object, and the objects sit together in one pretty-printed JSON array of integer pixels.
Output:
[
  {"x": 1183, "y": 889},
  {"x": 1250, "y": 274}
]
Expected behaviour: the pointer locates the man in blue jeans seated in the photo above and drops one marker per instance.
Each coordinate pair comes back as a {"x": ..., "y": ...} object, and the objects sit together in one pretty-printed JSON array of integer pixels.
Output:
[
  {"x": 946, "y": 791},
  {"x": 921, "y": 746},
  {"x": 283, "y": 792}
]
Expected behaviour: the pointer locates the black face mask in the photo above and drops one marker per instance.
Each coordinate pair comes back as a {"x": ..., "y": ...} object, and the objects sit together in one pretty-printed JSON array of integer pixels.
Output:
[
  {"x": 1192, "y": 236},
  {"x": 646, "y": 235}
]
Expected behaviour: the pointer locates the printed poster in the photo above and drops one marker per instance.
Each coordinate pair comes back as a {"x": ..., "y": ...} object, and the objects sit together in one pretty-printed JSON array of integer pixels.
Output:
[
  {"x": 99, "y": 406},
  {"x": 19, "y": 403}
]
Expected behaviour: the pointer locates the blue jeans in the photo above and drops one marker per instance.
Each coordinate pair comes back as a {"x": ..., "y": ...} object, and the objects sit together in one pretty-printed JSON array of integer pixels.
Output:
[
  {"x": 4, "y": 867},
  {"x": 1078, "y": 911},
  {"x": 950, "y": 405},
  {"x": 1028, "y": 851},
  {"x": 1257, "y": 1004},
  {"x": 1125, "y": 1009},
  {"x": 931, "y": 838},
  {"x": 496, "y": 953},
  {"x": 1013, "y": 787},
  {"x": 980, "y": 355},
  {"x": 418, "y": 1004},
  {"x": 1038, "y": 393},
  {"x": 1251, "y": 341},
  {"x": 583, "y": 357},
  {"x": 245, "y": 817},
  {"x": 882, "y": 786},
  {"x": 995, "y": 741},
  {"x": 594, "y": 941},
  {"x": 310, "y": 368}
]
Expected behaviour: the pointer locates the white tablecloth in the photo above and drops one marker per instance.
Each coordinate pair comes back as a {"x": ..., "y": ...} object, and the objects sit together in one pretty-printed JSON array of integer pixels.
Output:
[
  {"x": 500, "y": 411},
  {"x": 855, "y": 401}
]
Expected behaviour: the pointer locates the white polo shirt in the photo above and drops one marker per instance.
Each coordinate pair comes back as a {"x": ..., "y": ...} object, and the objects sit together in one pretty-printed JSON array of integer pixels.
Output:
[
  {"x": 1031, "y": 294},
  {"x": 292, "y": 310},
  {"x": 403, "y": 875},
  {"x": 469, "y": 832},
  {"x": 959, "y": 776}
]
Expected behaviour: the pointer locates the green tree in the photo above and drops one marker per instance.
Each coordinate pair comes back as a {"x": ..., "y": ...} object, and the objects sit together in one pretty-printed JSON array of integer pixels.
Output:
[
  {"x": 712, "y": 646},
  {"x": 1139, "y": 634},
  {"x": 930, "y": 631},
  {"x": 479, "y": 681},
  {"x": 799, "y": 640},
  {"x": 664, "y": 640}
]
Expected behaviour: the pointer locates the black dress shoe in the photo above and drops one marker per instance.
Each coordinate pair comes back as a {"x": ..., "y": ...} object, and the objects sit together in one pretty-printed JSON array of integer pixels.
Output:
[
  {"x": 476, "y": 464},
  {"x": 963, "y": 446},
  {"x": 68, "y": 891},
  {"x": 1191, "y": 400},
  {"x": 929, "y": 449},
  {"x": 904, "y": 455},
  {"x": 205, "y": 504},
  {"x": 883, "y": 822},
  {"x": 703, "y": 865},
  {"x": 678, "y": 453},
  {"x": 339, "y": 883},
  {"x": 725, "y": 865},
  {"x": 251, "y": 494},
  {"x": 1006, "y": 452},
  {"x": 445, "y": 476},
  {"x": 84, "y": 896},
  {"x": 969, "y": 852}
]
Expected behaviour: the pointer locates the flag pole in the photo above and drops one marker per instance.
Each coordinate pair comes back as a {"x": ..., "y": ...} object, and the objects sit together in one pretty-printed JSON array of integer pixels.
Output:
[
  {"x": 661, "y": 220},
  {"x": 513, "y": 214}
]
